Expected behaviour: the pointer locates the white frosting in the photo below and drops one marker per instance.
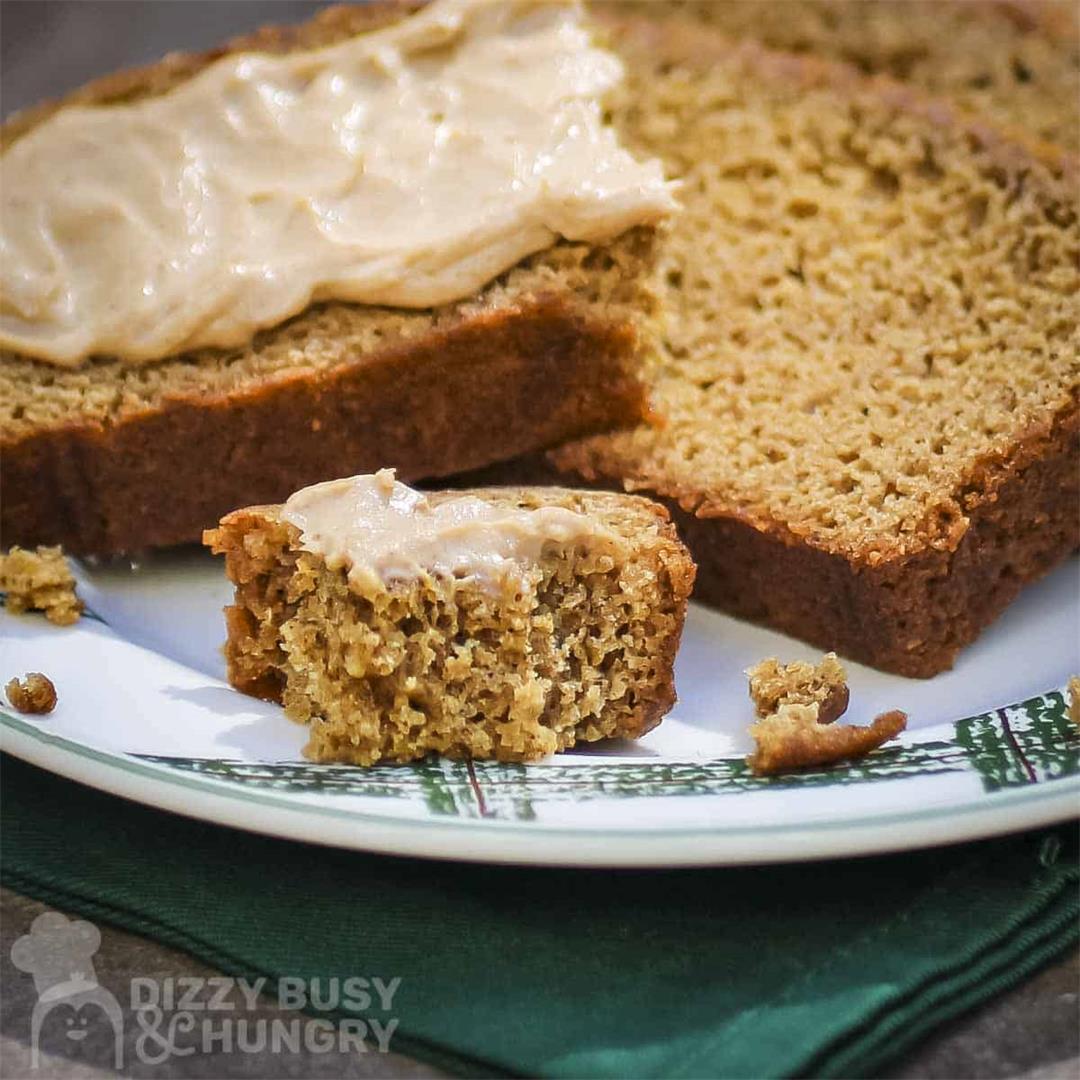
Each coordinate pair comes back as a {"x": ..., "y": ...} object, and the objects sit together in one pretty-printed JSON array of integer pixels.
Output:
[
  {"x": 384, "y": 531},
  {"x": 408, "y": 166}
]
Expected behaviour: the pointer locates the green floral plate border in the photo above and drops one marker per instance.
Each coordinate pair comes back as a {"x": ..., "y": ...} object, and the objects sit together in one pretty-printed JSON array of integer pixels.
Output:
[{"x": 1025, "y": 758}]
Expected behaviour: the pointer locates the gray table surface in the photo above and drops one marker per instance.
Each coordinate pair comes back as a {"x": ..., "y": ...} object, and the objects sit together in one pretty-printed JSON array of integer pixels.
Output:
[{"x": 47, "y": 48}]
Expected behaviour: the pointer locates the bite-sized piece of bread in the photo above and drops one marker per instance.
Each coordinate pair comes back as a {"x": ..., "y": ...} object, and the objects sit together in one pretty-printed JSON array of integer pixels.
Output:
[
  {"x": 34, "y": 693},
  {"x": 1074, "y": 699},
  {"x": 773, "y": 685},
  {"x": 1017, "y": 61},
  {"x": 111, "y": 457},
  {"x": 433, "y": 664},
  {"x": 869, "y": 377},
  {"x": 40, "y": 580},
  {"x": 794, "y": 738}
]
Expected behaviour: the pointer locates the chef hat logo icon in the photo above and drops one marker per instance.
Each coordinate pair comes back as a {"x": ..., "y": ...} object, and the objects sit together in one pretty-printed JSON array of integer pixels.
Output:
[{"x": 59, "y": 952}]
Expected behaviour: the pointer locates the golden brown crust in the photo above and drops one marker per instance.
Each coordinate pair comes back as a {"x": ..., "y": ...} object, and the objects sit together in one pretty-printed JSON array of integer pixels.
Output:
[
  {"x": 907, "y": 615},
  {"x": 483, "y": 389},
  {"x": 1074, "y": 699},
  {"x": 34, "y": 693},
  {"x": 794, "y": 738}
]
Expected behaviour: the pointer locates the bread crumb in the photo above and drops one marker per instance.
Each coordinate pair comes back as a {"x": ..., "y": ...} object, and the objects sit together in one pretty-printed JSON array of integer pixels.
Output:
[
  {"x": 1074, "y": 699},
  {"x": 33, "y": 693},
  {"x": 793, "y": 737},
  {"x": 773, "y": 685},
  {"x": 40, "y": 580}
]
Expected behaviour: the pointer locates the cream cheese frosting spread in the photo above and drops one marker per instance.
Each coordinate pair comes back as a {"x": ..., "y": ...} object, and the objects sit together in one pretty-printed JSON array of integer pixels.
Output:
[
  {"x": 384, "y": 531},
  {"x": 408, "y": 166}
]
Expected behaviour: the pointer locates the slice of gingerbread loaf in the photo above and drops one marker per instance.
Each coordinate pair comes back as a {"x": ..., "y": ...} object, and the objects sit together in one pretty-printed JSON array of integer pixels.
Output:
[
  {"x": 869, "y": 376},
  {"x": 116, "y": 454},
  {"x": 501, "y": 623}
]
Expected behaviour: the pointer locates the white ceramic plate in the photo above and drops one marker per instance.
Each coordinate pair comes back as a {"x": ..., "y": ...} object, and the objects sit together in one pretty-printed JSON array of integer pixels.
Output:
[{"x": 144, "y": 712}]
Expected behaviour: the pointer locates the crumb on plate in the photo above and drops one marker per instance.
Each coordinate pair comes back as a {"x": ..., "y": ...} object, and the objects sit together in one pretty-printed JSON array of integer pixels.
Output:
[
  {"x": 793, "y": 737},
  {"x": 774, "y": 685},
  {"x": 33, "y": 693},
  {"x": 40, "y": 580}
]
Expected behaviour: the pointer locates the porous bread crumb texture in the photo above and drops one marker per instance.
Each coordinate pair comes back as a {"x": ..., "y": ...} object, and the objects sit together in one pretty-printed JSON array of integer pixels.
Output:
[
  {"x": 773, "y": 685},
  {"x": 871, "y": 302},
  {"x": 584, "y": 652},
  {"x": 34, "y": 693},
  {"x": 1074, "y": 699},
  {"x": 1018, "y": 62},
  {"x": 40, "y": 580},
  {"x": 794, "y": 738},
  {"x": 608, "y": 282}
]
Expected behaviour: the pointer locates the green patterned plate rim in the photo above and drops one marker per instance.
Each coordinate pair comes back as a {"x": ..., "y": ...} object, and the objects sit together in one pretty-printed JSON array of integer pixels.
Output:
[{"x": 1025, "y": 757}]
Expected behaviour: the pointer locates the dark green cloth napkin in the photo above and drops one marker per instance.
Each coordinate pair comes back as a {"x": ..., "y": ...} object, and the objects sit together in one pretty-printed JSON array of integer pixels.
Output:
[{"x": 819, "y": 969}]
